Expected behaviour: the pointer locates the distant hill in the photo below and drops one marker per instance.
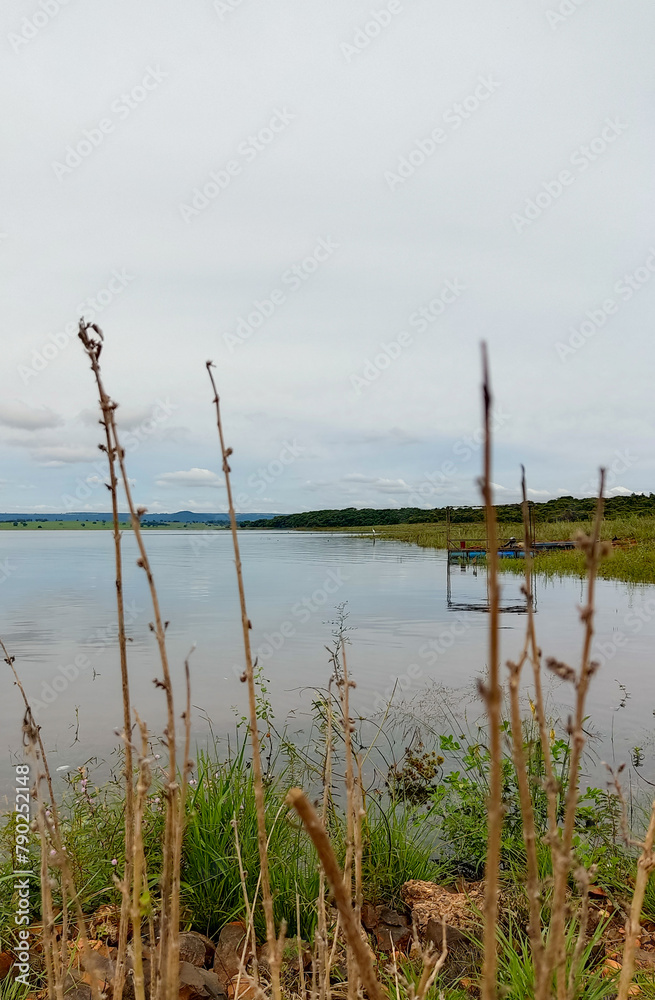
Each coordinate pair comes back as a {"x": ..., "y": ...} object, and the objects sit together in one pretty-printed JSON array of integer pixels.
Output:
[
  {"x": 558, "y": 509},
  {"x": 189, "y": 517},
  {"x": 184, "y": 516}
]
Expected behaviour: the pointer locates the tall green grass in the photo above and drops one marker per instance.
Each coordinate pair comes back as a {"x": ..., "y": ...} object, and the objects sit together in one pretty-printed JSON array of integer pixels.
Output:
[
  {"x": 222, "y": 807},
  {"x": 394, "y": 850},
  {"x": 516, "y": 976},
  {"x": 635, "y": 565},
  {"x": 395, "y": 847}
]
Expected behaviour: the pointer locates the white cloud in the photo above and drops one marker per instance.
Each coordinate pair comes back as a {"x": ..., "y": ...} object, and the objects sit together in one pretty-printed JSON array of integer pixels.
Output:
[
  {"x": 16, "y": 413},
  {"x": 201, "y": 506},
  {"x": 314, "y": 485},
  {"x": 39, "y": 508},
  {"x": 126, "y": 417},
  {"x": 392, "y": 486},
  {"x": 191, "y": 478},
  {"x": 357, "y": 477},
  {"x": 90, "y": 418},
  {"x": 53, "y": 456},
  {"x": 377, "y": 484},
  {"x": 621, "y": 491}
]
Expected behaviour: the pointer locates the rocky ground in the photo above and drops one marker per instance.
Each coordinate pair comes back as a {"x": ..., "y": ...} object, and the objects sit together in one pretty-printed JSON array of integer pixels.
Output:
[{"x": 211, "y": 970}]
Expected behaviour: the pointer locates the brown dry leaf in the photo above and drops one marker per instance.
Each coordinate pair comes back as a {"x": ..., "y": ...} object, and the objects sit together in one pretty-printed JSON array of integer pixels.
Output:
[
  {"x": 6, "y": 962},
  {"x": 91, "y": 980},
  {"x": 36, "y": 938},
  {"x": 100, "y": 947},
  {"x": 246, "y": 991}
]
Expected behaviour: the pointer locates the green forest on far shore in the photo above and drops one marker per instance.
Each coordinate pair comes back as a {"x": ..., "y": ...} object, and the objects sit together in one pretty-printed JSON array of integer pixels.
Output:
[{"x": 559, "y": 509}]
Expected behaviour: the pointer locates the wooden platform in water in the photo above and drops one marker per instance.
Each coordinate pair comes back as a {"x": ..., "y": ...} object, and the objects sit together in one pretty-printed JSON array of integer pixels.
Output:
[{"x": 468, "y": 553}]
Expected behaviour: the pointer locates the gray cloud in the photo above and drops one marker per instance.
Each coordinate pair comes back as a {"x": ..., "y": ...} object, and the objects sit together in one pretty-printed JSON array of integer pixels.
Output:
[
  {"x": 53, "y": 456},
  {"x": 192, "y": 478},
  {"x": 15, "y": 413},
  {"x": 379, "y": 485},
  {"x": 186, "y": 109}
]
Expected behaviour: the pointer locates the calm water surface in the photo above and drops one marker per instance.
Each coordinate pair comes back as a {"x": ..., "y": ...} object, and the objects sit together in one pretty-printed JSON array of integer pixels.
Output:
[{"x": 57, "y": 616}]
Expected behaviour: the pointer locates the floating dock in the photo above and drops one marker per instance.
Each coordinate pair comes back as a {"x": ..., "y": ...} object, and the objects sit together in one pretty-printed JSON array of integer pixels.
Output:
[{"x": 467, "y": 550}]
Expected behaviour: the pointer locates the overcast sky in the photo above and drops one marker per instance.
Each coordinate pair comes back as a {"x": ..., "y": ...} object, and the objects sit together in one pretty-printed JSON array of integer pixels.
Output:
[{"x": 335, "y": 202}]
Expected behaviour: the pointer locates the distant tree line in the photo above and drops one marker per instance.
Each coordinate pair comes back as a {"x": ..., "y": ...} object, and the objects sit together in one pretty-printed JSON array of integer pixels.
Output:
[{"x": 559, "y": 509}]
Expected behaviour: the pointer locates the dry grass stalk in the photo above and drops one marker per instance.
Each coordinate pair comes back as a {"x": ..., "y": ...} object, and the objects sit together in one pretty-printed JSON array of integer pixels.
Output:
[
  {"x": 360, "y": 815},
  {"x": 551, "y": 785},
  {"x": 561, "y": 845},
  {"x": 583, "y": 877},
  {"x": 167, "y": 979},
  {"x": 351, "y": 927},
  {"x": 274, "y": 946},
  {"x": 352, "y": 811},
  {"x": 645, "y": 866},
  {"x": 250, "y": 913},
  {"x": 54, "y": 969},
  {"x": 178, "y": 829},
  {"x": 433, "y": 962},
  {"x": 299, "y": 947},
  {"x": 533, "y": 884},
  {"x": 493, "y": 698},
  {"x": 53, "y": 853},
  {"x": 250, "y": 920},
  {"x": 143, "y": 784},
  {"x": 107, "y": 411},
  {"x": 56, "y": 829},
  {"x": 324, "y": 953}
]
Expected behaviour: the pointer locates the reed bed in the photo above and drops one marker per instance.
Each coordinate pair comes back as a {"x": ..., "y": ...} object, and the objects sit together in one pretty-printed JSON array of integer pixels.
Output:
[{"x": 632, "y": 559}]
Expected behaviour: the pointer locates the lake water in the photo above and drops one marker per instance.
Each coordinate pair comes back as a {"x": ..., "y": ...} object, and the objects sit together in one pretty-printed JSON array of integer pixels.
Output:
[{"x": 57, "y": 617}]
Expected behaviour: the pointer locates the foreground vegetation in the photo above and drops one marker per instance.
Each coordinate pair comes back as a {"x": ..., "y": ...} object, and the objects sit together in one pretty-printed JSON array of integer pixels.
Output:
[{"x": 426, "y": 819}]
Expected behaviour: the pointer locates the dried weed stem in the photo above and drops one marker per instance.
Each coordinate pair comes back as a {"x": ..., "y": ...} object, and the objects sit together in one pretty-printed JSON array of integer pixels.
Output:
[
  {"x": 493, "y": 697},
  {"x": 274, "y": 946},
  {"x": 561, "y": 845},
  {"x": 351, "y": 928},
  {"x": 167, "y": 978}
]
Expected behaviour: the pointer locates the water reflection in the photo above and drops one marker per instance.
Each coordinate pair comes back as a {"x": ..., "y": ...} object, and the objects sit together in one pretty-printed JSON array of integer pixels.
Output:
[{"x": 59, "y": 605}]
